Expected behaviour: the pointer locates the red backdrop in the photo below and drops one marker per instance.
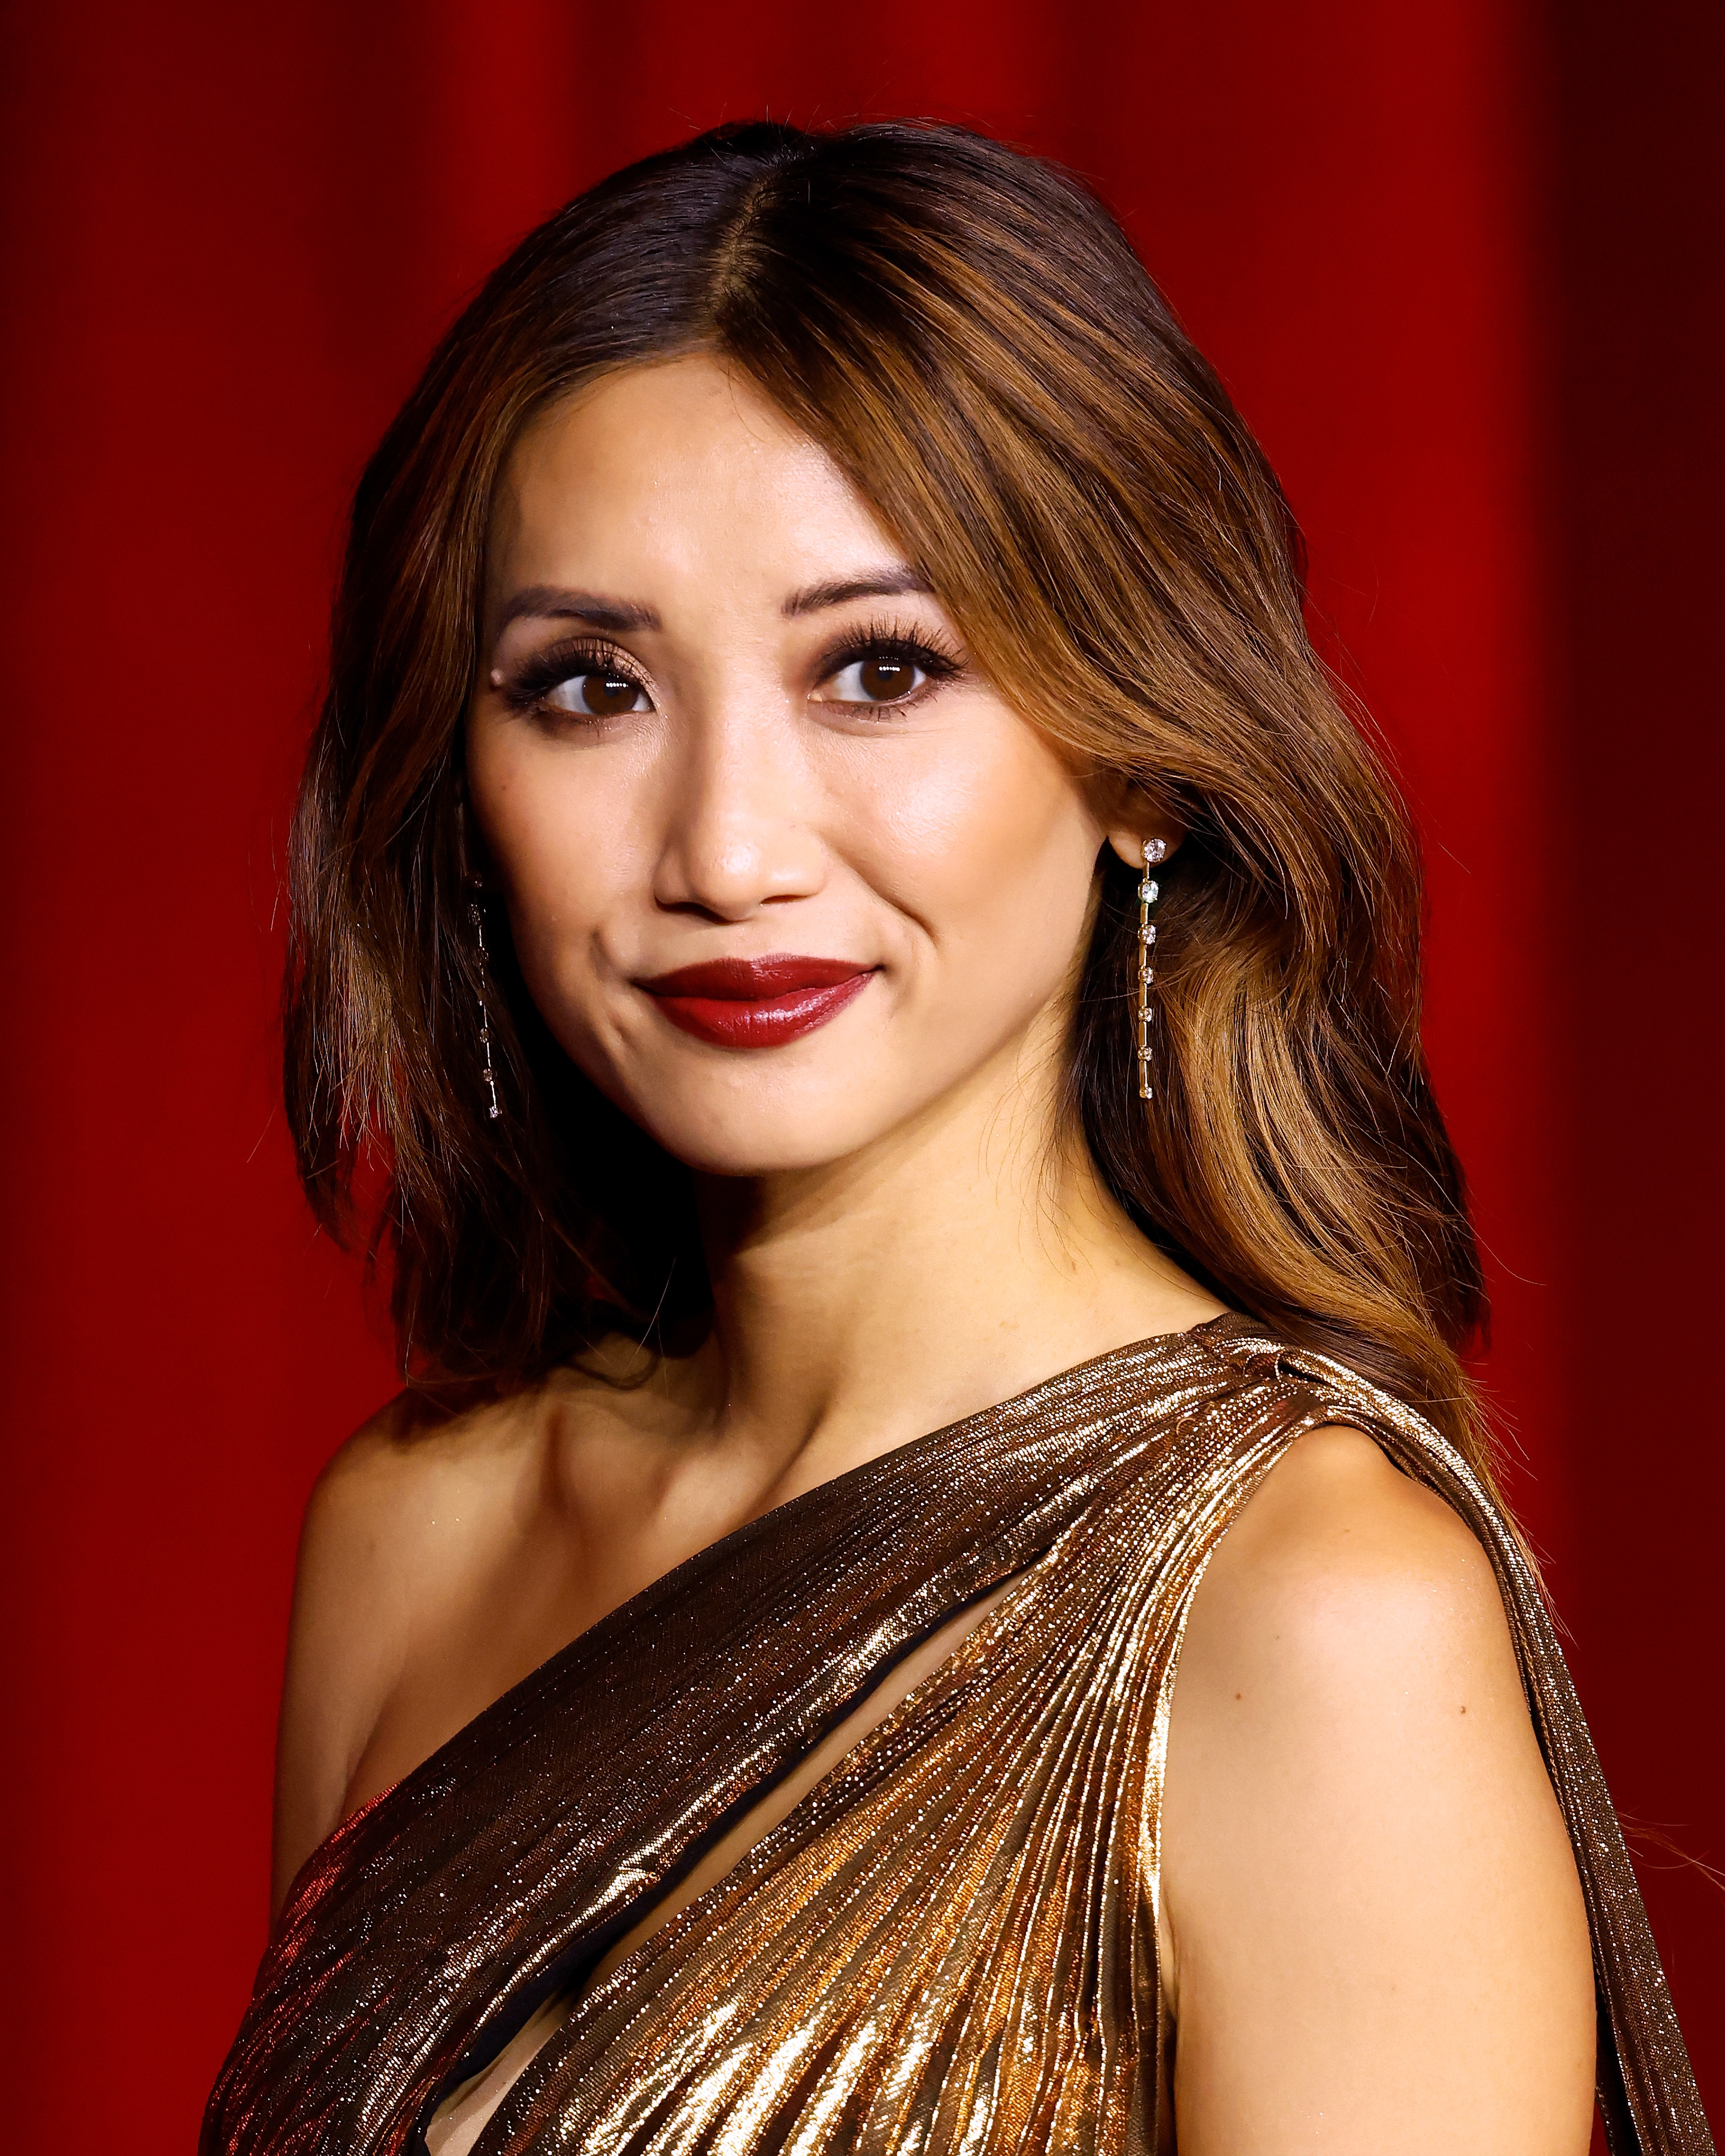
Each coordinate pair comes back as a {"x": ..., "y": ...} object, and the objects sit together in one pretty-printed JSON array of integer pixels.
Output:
[{"x": 1461, "y": 265}]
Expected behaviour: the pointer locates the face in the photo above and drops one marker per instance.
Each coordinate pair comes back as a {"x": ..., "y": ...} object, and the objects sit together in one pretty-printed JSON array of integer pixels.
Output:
[{"x": 783, "y": 870}]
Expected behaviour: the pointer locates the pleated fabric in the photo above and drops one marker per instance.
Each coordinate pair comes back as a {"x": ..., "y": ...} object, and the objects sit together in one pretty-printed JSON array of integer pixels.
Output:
[{"x": 948, "y": 1947}]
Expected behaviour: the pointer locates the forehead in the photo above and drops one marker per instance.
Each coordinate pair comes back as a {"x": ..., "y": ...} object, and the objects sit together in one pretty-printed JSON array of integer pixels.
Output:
[{"x": 678, "y": 466}]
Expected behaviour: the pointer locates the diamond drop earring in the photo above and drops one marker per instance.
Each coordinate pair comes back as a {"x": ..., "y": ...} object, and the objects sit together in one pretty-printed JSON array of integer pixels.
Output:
[
  {"x": 476, "y": 914},
  {"x": 1149, "y": 891}
]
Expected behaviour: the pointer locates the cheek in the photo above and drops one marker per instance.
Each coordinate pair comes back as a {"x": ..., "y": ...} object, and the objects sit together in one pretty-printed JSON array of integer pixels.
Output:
[
  {"x": 994, "y": 846},
  {"x": 556, "y": 845}
]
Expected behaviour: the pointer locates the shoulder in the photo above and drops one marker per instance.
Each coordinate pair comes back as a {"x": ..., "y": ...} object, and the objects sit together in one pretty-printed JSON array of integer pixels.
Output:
[
  {"x": 402, "y": 1500},
  {"x": 407, "y": 1508},
  {"x": 1346, "y": 1611},
  {"x": 387, "y": 1479},
  {"x": 1361, "y": 1844},
  {"x": 1338, "y": 1556}
]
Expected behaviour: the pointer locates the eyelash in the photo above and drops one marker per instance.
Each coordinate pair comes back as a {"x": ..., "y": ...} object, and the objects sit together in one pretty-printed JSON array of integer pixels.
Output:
[
  {"x": 536, "y": 677},
  {"x": 879, "y": 640}
]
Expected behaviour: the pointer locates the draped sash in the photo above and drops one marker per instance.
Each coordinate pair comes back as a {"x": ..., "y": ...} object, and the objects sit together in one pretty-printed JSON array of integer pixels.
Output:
[{"x": 949, "y": 1944}]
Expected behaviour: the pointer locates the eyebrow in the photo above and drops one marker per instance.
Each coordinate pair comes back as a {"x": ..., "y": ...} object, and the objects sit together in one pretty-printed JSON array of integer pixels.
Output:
[
  {"x": 872, "y": 584},
  {"x": 552, "y": 603}
]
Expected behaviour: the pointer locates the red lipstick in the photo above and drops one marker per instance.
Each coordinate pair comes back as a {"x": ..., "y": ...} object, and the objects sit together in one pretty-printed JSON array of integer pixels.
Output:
[{"x": 757, "y": 1003}]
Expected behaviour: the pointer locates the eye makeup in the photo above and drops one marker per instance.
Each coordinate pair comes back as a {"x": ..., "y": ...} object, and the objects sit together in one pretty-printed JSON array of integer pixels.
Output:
[
  {"x": 527, "y": 684},
  {"x": 876, "y": 644}
]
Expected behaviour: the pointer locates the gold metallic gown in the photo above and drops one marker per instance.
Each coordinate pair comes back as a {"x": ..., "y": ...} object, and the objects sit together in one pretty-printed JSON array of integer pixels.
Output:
[{"x": 948, "y": 1947}]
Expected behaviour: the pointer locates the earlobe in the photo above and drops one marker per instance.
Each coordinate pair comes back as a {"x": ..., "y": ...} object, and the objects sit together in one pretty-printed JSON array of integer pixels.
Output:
[
  {"x": 1130, "y": 815},
  {"x": 1146, "y": 843}
]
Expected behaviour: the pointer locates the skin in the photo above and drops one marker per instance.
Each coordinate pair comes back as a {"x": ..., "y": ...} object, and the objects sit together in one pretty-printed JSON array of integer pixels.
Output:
[{"x": 1371, "y": 1923}]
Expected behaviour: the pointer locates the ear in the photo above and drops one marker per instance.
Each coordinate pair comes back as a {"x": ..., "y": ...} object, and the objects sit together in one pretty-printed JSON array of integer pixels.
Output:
[
  {"x": 1131, "y": 819},
  {"x": 1147, "y": 843}
]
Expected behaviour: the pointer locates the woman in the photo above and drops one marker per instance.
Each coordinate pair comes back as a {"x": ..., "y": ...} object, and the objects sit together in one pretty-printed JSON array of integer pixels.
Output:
[{"x": 878, "y": 989}]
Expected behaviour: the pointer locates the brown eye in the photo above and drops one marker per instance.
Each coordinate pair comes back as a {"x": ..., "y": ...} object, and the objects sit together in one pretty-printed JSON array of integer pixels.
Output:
[
  {"x": 879, "y": 679},
  {"x": 883, "y": 678},
  {"x": 598, "y": 695}
]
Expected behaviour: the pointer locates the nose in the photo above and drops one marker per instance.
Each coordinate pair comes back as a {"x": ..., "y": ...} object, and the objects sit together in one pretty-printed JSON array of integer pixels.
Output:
[{"x": 739, "y": 834}]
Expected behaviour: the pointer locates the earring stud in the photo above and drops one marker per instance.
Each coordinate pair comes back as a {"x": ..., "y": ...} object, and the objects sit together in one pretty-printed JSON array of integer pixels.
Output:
[{"x": 1149, "y": 891}]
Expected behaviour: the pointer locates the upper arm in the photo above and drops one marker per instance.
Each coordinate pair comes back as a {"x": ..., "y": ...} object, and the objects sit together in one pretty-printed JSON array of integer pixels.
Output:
[
  {"x": 345, "y": 1642},
  {"x": 1379, "y": 1936}
]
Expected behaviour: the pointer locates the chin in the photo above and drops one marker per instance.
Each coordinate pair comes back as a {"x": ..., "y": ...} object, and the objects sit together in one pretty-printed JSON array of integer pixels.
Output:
[
  {"x": 747, "y": 1130},
  {"x": 767, "y": 1145}
]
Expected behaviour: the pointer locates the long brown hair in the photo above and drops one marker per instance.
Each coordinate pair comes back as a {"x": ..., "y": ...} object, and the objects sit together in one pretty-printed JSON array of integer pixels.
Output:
[{"x": 968, "y": 332}]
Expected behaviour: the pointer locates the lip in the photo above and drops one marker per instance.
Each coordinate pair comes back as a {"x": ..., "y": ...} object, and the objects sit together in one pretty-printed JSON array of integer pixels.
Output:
[{"x": 757, "y": 1003}]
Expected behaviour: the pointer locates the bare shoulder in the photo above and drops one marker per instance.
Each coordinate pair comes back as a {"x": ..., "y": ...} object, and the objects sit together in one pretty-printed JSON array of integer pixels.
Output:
[
  {"x": 405, "y": 1501},
  {"x": 388, "y": 1492},
  {"x": 1348, "y": 1615},
  {"x": 1365, "y": 1869},
  {"x": 407, "y": 1508},
  {"x": 1339, "y": 1558}
]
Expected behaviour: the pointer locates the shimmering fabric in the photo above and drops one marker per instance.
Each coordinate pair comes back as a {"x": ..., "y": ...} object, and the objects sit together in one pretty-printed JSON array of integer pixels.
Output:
[{"x": 949, "y": 1946}]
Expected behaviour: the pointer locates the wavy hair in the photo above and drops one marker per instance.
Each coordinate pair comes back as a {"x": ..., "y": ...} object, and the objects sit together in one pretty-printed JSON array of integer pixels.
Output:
[{"x": 968, "y": 332}]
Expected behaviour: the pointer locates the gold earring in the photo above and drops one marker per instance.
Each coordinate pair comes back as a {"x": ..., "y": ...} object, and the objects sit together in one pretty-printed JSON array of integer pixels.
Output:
[{"x": 1149, "y": 891}]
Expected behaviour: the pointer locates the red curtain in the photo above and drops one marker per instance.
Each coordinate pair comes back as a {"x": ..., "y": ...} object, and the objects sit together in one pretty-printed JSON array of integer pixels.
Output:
[{"x": 1461, "y": 265}]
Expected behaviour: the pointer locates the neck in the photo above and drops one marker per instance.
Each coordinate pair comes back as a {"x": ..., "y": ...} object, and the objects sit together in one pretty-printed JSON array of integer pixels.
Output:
[{"x": 959, "y": 1260}]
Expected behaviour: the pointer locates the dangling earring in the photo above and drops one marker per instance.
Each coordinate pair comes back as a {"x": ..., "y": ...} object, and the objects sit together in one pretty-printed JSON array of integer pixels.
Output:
[
  {"x": 476, "y": 914},
  {"x": 1149, "y": 891}
]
